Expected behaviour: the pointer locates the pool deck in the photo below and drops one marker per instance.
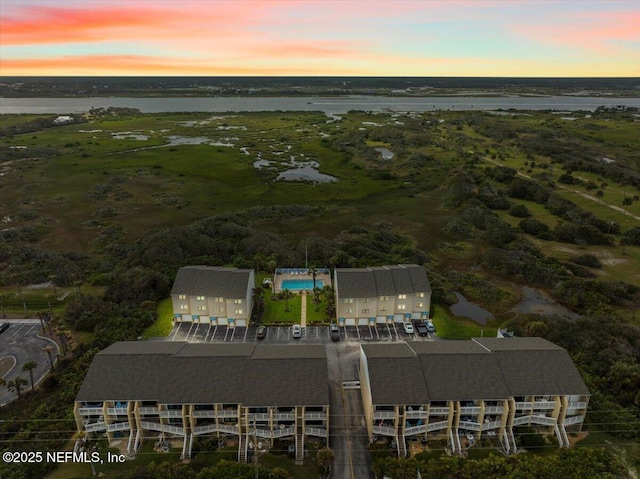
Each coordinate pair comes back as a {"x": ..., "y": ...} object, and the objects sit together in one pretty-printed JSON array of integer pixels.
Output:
[{"x": 280, "y": 277}]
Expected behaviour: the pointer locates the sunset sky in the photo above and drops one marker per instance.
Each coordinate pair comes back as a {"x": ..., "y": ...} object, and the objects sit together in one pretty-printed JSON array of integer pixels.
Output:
[{"x": 323, "y": 38}]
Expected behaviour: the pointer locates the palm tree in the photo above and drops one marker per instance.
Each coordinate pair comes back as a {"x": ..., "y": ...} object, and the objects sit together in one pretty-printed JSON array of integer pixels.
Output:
[
  {"x": 30, "y": 366},
  {"x": 324, "y": 458},
  {"x": 287, "y": 295},
  {"x": 16, "y": 385},
  {"x": 49, "y": 350}
]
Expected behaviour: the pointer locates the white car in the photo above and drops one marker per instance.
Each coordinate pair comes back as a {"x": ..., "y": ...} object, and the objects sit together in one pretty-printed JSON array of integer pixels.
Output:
[
  {"x": 408, "y": 328},
  {"x": 296, "y": 331}
]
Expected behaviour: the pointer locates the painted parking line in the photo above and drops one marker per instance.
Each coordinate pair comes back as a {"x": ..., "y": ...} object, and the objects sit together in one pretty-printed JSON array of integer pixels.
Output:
[
  {"x": 207, "y": 334},
  {"x": 16, "y": 331},
  {"x": 30, "y": 329},
  {"x": 395, "y": 331},
  {"x": 226, "y": 334},
  {"x": 244, "y": 340},
  {"x": 213, "y": 335}
]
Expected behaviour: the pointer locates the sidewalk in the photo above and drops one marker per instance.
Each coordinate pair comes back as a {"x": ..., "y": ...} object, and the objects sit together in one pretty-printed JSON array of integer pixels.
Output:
[{"x": 303, "y": 310}]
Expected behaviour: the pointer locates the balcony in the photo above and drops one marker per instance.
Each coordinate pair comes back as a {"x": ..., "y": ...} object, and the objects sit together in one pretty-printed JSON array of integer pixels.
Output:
[
  {"x": 117, "y": 411},
  {"x": 154, "y": 426},
  {"x": 519, "y": 421},
  {"x": 118, "y": 426},
  {"x": 228, "y": 413},
  {"x": 413, "y": 430},
  {"x": 90, "y": 411},
  {"x": 573, "y": 420},
  {"x": 435, "y": 426},
  {"x": 472, "y": 426},
  {"x": 439, "y": 411},
  {"x": 198, "y": 430},
  {"x": 171, "y": 413},
  {"x": 384, "y": 415},
  {"x": 286, "y": 431},
  {"x": 493, "y": 410},
  {"x": 524, "y": 405},
  {"x": 543, "y": 420},
  {"x": 416, "y": 414},
  {"x": 544, "y": 405},
  {"x": 148, "y": 410},
  {"x": 577, "y": 405},
  {"x": 487, "y": 426},
  {"x": 384, "y": 431},
  {"x": 95, "y": 426},
  {"x": 315, "y": 415},
  {"x": 258, "y": 432},
  {"x": 315, "y": 431},
  {"x": 470, "y": 410},
  {"x": 205, "y": 413},
  {"x": 258, "y": 416},
  {"x": 284, "y": 416}
]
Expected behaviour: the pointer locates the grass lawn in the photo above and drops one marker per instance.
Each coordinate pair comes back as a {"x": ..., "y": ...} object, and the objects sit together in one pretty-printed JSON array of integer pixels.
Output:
[
  {"x": 274, "y": 311},
  {"x": 309, "y": 470},
  {"x": 452, "y": 327},
  {"x": 314, "y": 316},
  {"x": 162, "y": 326}
]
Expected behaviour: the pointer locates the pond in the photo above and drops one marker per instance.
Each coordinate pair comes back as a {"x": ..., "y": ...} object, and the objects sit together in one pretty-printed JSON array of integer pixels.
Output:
[
  {"x": 470, "y": 310},
  {"x": 538, "y": 302}
]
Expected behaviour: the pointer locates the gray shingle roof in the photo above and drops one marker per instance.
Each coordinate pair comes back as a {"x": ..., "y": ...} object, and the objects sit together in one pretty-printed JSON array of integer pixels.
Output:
[
  {"x": 208, "y": 373},
  {"x": 381, "y": 281},
  {"x": 212, "y": 281},
  {"x": 487, "y": 368}
]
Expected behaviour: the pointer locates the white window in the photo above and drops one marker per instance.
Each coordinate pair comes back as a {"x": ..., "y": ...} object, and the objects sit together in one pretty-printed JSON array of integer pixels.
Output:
[
  {"x": 182, "y": 296},
  {"x": 348, "y": 300},
  {"x": 402, "y": 296},
  {"x": 237, "y": 301},
  {"x": 202, "y": 308},
  {"x": 348, "y": 311},
  {"x": 365, "y": 311},
  {"x": 219, "y": 300},
  {"x": 366, "y": 300},
  {"x": 238, "y": 311},
  {"x": 418, "y": 305},
  {"x": 384, "y": 298},
  {"x": 184, "y": 306},
  {"x": 402, "y": 306},
  {"x": 200, "y": 298},
  {"x": 383, "y": 308},
  {"x": 420, "y": 295}
]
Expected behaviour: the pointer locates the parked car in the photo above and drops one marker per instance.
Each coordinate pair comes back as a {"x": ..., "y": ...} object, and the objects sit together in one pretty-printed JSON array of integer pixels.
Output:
[
  {"x": 334, "y": 332},
  {"x": 407, "y": 328},
  {"x": 296, "y": 331},
  {"x": 3, "y": 327},
  {"x": 420, "y": 328},
  {"x": 430, "y": 327},
  {"x": 262, "y": 332}
]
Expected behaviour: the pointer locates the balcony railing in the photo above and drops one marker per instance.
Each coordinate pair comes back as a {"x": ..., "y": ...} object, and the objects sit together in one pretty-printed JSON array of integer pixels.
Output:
[
  {"x": 258, "y": 416},
  {"x": 205, "y": 413},
  {"x": 577, "y": 405},
  {"x": 259, "y": 432},
  {"x": 413, "y": 430},
  {"x": 472, "y": 426},
  {"x": 95, "y": 426},
  {"x": 524, "y": 405},
  {"x": 287, "y": 431},
  {"x": 493, "y": 410},
  {"x": 487, "y": 426},
  {"x": 316, "y": 431},
  {"x": 470, "y": 410},
  {"x": 228, "y": 429},
  {"x": 154, "y": 426},
  {"x": 439, "y": 411},
  {"x": 519, "y": 421},
  {"x": 118, "y": 426},
  {"x": 435, "y": 426},
  {"x": 573, "y": 420},
  {"x": 543, "y": 420},
  {"x": 116, "y": 411},
  {"x": 228, "y": 413},
  {"x": 171, "y": 413},
  {"x": 89, "y": 411},
  {"x": 148, "y": 410},
  {"x": 315, "y": 415},
  {"x": 284, "y": 416},
  {"x": 384, "y": 415},
  {"x": 384, "y": 431},
  {"x": 544, "y": 405},
  {"x": 416, "y": 414}
]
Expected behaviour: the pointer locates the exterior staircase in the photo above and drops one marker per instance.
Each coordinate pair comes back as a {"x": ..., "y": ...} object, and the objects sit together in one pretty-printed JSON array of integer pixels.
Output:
[{"x": 243, "y": 443}]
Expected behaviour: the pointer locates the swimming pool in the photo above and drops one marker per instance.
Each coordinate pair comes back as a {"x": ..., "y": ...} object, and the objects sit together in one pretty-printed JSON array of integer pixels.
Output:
[{"x": 299, "y": 284}]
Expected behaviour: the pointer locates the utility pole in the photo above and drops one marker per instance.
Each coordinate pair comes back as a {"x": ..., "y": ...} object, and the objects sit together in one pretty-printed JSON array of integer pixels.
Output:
[{"x": 255, "y": 446}]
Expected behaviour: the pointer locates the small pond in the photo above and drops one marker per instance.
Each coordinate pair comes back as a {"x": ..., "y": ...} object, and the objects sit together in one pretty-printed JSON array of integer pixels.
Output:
[{"x": 470, "y": 310}]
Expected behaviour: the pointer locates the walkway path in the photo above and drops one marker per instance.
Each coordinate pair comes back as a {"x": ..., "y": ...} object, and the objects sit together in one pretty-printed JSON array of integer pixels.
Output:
[{"x": 303, "y": 310}]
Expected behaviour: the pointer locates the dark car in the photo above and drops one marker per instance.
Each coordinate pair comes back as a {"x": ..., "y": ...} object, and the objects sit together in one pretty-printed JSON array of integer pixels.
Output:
[
  {"x": 262, "y": 332},
  {"x": 420, "y": 328},
  {"x": 334, "y": 332},
  {"x": 3, "y": 327}
]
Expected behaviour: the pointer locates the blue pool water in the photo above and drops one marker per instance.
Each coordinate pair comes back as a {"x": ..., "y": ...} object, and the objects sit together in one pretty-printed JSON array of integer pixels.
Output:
[{"x": 298, "y": 284}]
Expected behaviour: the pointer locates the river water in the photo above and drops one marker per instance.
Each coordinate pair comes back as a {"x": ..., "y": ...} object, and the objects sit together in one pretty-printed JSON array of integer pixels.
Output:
[{"x": 330, "y": 106}]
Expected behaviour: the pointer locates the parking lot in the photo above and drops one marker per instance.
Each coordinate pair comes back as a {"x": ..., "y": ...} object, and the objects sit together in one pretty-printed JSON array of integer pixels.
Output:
[{"x": 201, "y": 333}]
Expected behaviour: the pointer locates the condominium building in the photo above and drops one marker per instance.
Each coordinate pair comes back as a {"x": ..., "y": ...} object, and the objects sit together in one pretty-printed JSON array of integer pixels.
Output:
[
  {"x": 177, "y": 392},
  {"x": 385, "y": 294},
  {"x": 461, "y": 391},
  {"x": 213, "y": 295}
]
